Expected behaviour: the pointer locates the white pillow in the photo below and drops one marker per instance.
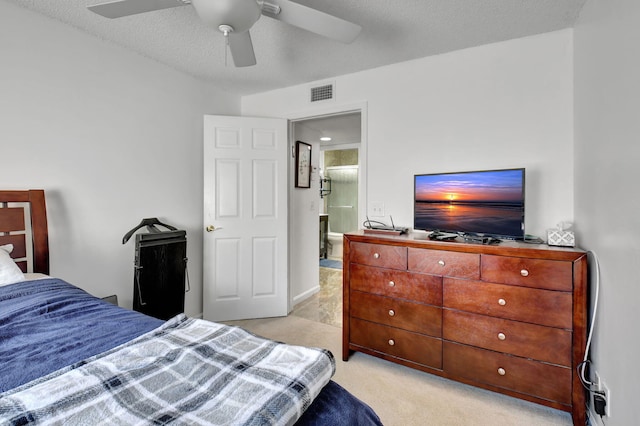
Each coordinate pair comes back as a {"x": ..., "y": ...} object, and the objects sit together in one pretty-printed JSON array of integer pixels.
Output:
[{"x": 9, "y": 272}]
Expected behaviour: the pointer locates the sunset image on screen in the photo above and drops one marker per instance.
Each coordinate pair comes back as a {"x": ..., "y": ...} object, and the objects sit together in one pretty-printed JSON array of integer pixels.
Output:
[{"x": 502, "y": 186}]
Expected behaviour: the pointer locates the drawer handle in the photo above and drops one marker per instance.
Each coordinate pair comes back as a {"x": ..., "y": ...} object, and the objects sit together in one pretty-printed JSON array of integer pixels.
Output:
[
  {"x": 376, "y": 255},
  {"x": 441, "y": 262},
  {"x": 391, "y": 342},
  {"x": 501, "y": 371},
  {"x": 502, "y": 302},
  {"x": 524, "y": 272},
  {"x": 391, "y": 312},
  {"x": 392, "y": 284},
  {"x": 501, "y": 336}
]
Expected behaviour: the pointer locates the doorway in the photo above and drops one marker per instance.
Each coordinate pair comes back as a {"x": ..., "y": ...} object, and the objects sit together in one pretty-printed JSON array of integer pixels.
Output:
[{"x": 337, "y": 174}]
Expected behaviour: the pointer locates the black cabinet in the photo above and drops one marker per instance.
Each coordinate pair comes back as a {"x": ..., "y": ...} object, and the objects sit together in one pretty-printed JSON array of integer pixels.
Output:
[{"x": 160, "y": 272}]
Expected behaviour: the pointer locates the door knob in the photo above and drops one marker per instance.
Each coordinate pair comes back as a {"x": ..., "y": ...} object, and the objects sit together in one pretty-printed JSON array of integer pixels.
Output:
[{"x": 211, "y": 228}]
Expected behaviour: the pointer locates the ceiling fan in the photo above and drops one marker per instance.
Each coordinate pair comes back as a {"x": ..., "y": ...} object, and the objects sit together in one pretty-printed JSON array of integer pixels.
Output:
[{"x": 234, "y": 18}]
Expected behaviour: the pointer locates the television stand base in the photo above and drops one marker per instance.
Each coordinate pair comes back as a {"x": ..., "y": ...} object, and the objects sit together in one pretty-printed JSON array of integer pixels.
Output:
[
  {"x": 443, "y": 236},
  {"x": 480, "y": 239}
]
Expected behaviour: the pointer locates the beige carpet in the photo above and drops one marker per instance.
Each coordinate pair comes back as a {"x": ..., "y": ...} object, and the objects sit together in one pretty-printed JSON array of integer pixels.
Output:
[{"x": 402, "y": 396}]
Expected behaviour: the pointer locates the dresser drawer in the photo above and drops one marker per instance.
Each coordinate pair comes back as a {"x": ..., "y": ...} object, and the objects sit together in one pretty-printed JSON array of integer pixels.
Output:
[
  {"x": 425, "y": 319},
  {"x": 378, "y": 255},
  {"x": 544, "y": 307},
  {"x": 518, "y": 338},
  {"x": 539, "y": 273},
  {"x": 388, "y": 282},
  {"x": 403, "y": 344},
  {"x": 526, "y": 376},
  {"x": 445, "y": 263}
]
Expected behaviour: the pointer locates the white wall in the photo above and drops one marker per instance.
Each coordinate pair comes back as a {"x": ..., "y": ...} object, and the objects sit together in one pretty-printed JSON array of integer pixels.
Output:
[
  {"x": 607, "y": 125},
  {"x": 111, "y": 136},
  {"x": 304, "y": 210},
  {"x": 496, "y": 106}
]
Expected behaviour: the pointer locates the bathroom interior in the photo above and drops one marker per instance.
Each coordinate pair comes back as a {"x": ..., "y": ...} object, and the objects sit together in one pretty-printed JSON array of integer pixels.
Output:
[{"x": 338, "y": 172}]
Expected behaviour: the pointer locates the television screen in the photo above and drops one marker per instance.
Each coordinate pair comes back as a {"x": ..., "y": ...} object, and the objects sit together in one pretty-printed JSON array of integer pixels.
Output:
[{"x": 489, "y": 202}]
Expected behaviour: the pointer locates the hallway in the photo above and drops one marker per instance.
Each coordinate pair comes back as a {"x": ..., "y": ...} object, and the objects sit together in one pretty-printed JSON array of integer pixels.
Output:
[{"x": 326, "y": 305}]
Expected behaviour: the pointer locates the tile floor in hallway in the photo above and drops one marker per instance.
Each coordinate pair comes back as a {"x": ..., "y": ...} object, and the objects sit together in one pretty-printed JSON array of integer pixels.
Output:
[{"x": 326, "y": 305}]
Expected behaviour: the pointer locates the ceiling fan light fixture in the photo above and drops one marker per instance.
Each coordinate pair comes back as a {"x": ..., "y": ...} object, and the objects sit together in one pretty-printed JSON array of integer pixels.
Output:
[{"x": 239, "y": 14}]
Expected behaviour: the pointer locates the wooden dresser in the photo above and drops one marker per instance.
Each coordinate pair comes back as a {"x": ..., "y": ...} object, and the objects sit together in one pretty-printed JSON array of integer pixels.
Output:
[{"x": 510, "y": 318}]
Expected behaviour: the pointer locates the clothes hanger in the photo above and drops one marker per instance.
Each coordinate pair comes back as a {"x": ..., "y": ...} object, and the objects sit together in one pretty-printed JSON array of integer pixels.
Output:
[{"x": 150, "y": 224}]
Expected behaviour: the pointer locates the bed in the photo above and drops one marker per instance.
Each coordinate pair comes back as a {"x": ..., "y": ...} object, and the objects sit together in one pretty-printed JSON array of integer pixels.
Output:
[{"x": 69, "y": 357}]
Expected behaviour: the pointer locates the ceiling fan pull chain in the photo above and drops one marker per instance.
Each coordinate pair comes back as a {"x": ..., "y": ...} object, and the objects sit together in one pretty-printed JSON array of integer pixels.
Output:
[{"x": 226, "y": 30}]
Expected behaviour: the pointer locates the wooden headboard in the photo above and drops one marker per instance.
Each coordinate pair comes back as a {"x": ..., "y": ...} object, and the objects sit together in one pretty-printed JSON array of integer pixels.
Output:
[{"x": 24, "y": 213}]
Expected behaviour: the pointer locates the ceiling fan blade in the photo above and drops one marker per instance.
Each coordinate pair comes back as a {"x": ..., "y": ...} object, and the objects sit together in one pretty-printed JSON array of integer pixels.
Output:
[
  {"x": 242, "y": 49},
  {"x": 120, "y": 8},
  {"x": 312, "y": 20}
]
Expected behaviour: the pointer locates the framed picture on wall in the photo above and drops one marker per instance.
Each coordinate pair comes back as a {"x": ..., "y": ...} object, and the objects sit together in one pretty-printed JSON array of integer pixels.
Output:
[{"x": 303, "y": 165}]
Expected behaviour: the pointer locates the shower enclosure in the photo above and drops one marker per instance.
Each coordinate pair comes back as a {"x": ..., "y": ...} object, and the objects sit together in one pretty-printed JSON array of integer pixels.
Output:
[{"x": 341, "y": 204}]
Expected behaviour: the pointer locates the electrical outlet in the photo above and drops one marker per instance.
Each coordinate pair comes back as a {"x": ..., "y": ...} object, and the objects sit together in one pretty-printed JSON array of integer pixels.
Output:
[
  {"x": 600, "y": 389},
  {"x": 377, "y": 209},
  {"x": 607, "y": 396},
  {"x": 596, "y": 381}
]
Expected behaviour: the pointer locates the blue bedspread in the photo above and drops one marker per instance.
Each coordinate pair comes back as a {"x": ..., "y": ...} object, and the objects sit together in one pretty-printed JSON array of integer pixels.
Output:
[
  {"x": 49, "y": 324},
  {"x": 40, "y": 322}
]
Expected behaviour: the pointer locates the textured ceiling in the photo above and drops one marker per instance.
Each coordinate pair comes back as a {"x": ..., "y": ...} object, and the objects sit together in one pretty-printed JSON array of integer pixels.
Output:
[{"x": 392, "y": 31}]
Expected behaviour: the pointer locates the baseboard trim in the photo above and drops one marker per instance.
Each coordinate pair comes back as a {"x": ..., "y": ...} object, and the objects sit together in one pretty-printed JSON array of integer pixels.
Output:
[{"x": 305, "y": 295}]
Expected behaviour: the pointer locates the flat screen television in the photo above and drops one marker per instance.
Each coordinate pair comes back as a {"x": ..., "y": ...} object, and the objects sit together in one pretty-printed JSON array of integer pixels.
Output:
[{"x": 487, "y": 202}]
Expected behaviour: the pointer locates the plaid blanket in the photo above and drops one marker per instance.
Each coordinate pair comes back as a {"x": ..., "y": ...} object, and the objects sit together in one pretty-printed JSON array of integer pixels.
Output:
[{"x": 188, "y": 371}]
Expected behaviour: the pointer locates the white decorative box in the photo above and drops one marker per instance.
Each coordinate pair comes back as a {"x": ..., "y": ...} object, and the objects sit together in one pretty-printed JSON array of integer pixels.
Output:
[{"x": 556, "y": 237}]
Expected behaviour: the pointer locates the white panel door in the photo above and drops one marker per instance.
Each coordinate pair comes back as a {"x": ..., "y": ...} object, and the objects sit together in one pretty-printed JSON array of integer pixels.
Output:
[{"x": 245, "y": 218}]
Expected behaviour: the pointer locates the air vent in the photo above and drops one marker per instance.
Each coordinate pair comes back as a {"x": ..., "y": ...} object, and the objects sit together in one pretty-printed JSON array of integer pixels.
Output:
[{"x": 322, "y": 93}]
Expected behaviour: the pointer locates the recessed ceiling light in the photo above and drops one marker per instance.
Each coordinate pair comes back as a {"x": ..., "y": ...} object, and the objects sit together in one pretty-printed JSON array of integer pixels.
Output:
[{"x": 325, "y": 139}]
